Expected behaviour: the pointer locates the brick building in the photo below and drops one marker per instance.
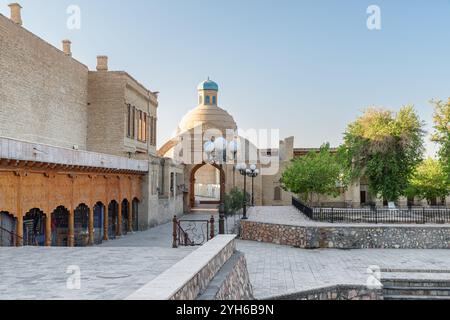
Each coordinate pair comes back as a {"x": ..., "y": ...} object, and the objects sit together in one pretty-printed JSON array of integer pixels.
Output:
[{"x": 78, "y": 160}]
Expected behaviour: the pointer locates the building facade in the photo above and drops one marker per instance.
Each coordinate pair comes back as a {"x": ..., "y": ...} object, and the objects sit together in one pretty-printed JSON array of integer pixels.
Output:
[{"x": 77, "y": 147}]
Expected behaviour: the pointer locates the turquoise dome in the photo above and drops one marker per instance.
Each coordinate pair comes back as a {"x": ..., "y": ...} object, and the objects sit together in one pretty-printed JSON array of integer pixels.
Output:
[{"x": 208, "y": 85}]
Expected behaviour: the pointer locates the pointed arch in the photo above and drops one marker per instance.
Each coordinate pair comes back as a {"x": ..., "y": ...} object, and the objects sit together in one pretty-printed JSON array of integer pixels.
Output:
[
  {"x": 60, "y": 227},
  {"x": 34, "y": 228}
]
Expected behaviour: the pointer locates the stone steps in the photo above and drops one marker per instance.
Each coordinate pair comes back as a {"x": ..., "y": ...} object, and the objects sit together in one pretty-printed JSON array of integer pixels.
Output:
[
  {"x": 428, "y": 298},
  {"x": 416, "y": 289}
]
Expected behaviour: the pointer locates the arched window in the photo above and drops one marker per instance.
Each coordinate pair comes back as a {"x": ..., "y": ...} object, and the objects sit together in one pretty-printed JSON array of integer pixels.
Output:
[
  {"x": 277, "y": 194},
  {"x": 214, "y": 100},
  {"x": 208, "y": 99}
]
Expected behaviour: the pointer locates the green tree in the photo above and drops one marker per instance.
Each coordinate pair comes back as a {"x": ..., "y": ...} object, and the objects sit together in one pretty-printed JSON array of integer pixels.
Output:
[
  {"x": 317, "y": 173},
  {"x": 233, "y": 201},
  {"x": 429, "y": 181},
  {"x": 385, "y": 147},
  {"x": 442, "y": 132}
]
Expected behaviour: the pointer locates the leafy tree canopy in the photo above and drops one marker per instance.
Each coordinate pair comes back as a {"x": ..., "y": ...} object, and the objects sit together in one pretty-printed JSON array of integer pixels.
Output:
[
  {"x": 442, "y": 132},
  {"x": 317, "y": 173},
  {"x": 385, "y": 147},
  {"x": 429, "y": 181}
]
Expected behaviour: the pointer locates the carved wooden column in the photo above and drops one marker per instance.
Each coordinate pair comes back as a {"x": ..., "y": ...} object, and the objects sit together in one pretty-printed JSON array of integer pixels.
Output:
[
  {"x": 106, "y": 211},
  {"x": 91, "y": 211},
  {"x": 119, "y": 220},
  {"x": 105, "y": 222},
  {"x": 19, "y": 230},
  {"x": 48, "y": 230},
  {"x": 71, "y": 234},
  {"x": 91, "y": 226},
  {"x": 71, "y": 227},
  {"x": 130, "y": 217},
  {"x": 48, "y": 214},
  {"x": 19, "y": 213}
]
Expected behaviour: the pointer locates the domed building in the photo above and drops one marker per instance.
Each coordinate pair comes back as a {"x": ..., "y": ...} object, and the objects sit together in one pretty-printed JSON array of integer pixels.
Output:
[
  {"x": 207, "y": 113},
  {"x": 208, "y": 176}
]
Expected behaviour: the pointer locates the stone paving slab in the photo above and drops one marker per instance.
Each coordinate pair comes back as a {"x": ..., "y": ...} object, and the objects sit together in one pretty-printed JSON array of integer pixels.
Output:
[
  {"x": 112, "y": 270},
  {"x": 277, "y": 270},
  {"x": 106, "y": 273}
]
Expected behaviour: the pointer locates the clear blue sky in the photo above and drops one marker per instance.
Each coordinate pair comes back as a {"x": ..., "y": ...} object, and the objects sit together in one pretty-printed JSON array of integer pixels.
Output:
[{"x": 306, "y": 67}]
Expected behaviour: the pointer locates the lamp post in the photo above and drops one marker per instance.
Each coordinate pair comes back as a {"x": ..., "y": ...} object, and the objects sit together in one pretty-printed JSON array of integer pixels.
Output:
[
  {"x": 253, "y": 173},
  {"x": 216, "y": 150},
  {"x": 242, "y": 168},
  {"x": 233, "y": 147}
]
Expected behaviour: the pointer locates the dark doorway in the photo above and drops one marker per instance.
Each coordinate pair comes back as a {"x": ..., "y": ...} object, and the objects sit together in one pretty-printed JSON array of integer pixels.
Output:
[
  {"x": 34, "y": 228},
  {"x": 113, "y": 216},
  {"x": 81, "y": 226},
  {"x": 7, "y": 230},
  {"x": 363, "y": 195},
  {"x": 99, "y": 216},
  {"x": 135, "y": 214},
  {"x": 125, "y": 216},
  {"x": 60, "y": 227}
]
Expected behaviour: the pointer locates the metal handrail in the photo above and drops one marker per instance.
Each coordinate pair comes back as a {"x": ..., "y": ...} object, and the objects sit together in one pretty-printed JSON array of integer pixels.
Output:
[
  {"x": 302, "y": 207},
  {"x": 183, "y": 237}
]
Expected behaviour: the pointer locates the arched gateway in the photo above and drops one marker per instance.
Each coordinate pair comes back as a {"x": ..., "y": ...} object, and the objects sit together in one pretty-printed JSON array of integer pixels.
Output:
[{"x": 206, "y": 199}]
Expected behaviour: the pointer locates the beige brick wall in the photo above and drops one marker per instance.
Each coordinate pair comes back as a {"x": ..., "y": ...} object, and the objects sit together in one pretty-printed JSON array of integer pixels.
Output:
[
  {"x": 106, "y": 104},
  {"x": 109, "y": 94},
  {"x": 43, "y": 92}
]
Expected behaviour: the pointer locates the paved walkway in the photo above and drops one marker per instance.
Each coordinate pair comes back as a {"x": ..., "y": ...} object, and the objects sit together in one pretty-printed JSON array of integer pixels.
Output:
[
  {"x": 112, "y": 270},
  {"x": 277, "y": 270},
  {"x": 117, "y": 268}
]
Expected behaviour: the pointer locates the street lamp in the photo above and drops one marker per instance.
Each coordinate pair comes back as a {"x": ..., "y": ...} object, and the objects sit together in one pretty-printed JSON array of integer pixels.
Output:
[
  {"x": 216, "y": 151},
  {"x": 253, "y": 173},
  {"x": 242, "y": 168},
  {"x": 233, "y": 147}
]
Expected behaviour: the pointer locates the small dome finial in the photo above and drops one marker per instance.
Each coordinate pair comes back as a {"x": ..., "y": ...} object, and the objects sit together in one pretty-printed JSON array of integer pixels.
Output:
[{"x": 208, "y": 85}]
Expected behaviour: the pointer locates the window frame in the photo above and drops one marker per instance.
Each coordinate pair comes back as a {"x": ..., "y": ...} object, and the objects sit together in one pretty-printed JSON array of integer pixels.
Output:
[{"x": 128, "y": 118}]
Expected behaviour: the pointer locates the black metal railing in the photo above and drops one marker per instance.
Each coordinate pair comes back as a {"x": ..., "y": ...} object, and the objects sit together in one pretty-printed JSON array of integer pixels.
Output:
[
  {"x": 192, "y": 232},
  {"x": 302, "y": 207},
  {"x": 9, "y": 238},
  {"x": 376, "y": 215}
]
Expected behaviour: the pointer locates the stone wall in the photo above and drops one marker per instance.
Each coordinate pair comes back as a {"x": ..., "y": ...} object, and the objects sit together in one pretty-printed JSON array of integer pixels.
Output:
[
  {"x": 231, "y": 283},
  {"x": 339, "y": 292},
  {"x": 349, "y": 237},
  {"x": 43, "y": 92},
  {"x": 154, "y": 210}
]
